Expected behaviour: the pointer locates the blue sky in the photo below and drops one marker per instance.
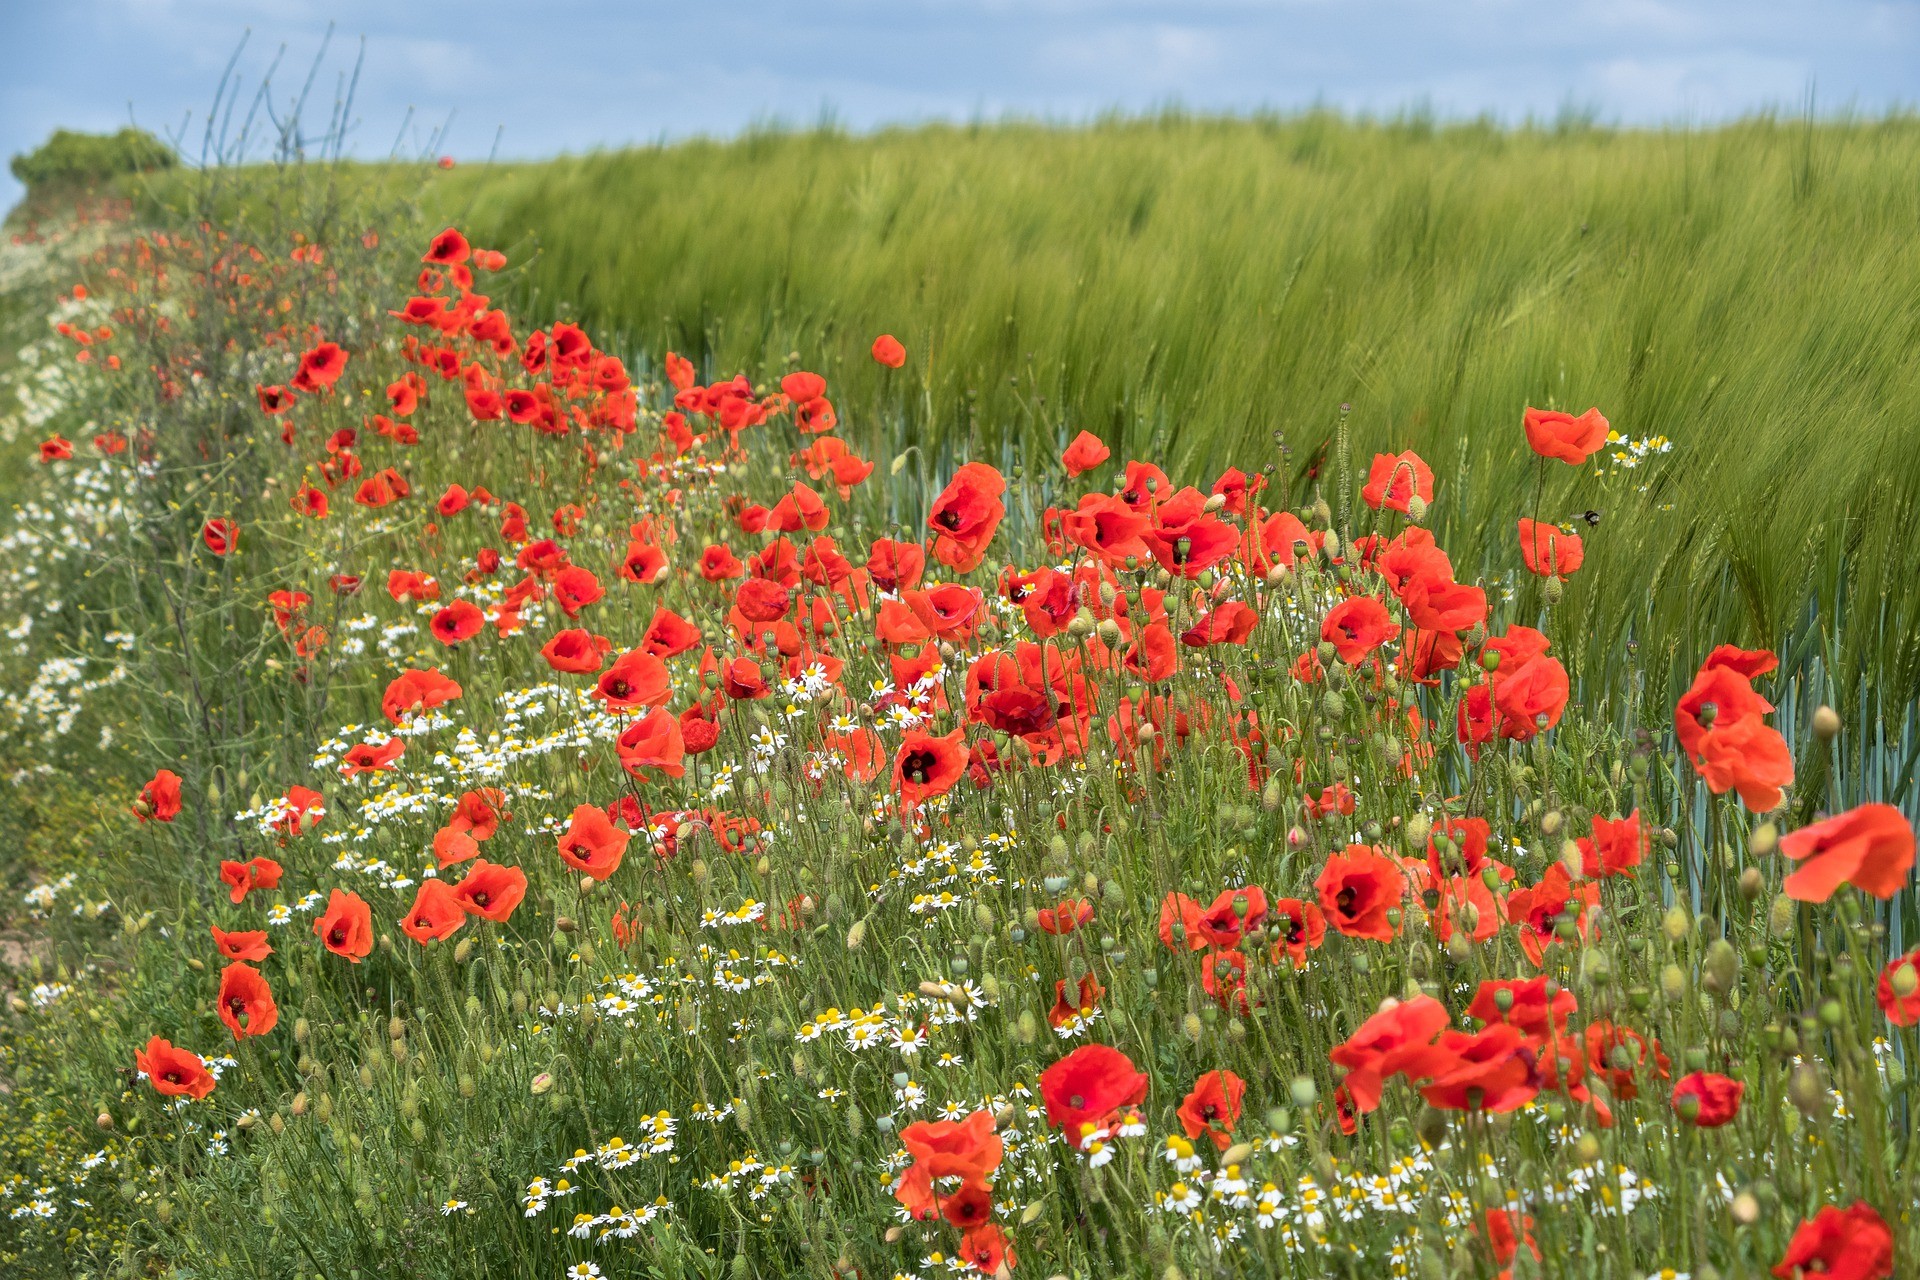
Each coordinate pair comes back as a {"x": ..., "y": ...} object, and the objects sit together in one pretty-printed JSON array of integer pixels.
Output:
[{"x": 572, "y": 76}]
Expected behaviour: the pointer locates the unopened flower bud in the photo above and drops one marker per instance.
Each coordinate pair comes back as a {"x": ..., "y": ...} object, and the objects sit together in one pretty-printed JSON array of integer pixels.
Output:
[{"x": 1826, "y": 723}]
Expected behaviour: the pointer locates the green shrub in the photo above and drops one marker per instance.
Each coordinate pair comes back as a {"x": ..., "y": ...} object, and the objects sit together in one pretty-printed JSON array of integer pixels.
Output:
[{"x": 69, "y": 158}]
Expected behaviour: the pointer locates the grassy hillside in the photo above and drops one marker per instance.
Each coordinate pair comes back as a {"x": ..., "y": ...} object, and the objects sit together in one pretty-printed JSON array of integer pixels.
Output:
[{"x": 1185, "y": 288}]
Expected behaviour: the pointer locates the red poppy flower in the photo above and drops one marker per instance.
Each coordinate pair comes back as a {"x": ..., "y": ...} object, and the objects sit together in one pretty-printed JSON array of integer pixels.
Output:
[
  {"x": 575, "y": 588},
  {"x": 1538, "y": 911},
  {"x": 448, "y": 247},
  {"x": 1870, "y": 847},
  {"x": 965, "y": 516},
  {"x": 1529, "y": 697},
  {"x": 1524, "y": 1003},
  {"x": 653, "y": 742},
  {"x": 668, "y": 634},
  {"x": 1547, "y": 551},
  {"x": 1395, "y": 480},
  {"x": 1435, "y": 602},
  {"x": 1065, "y": 918},
  {"x": 346, "y": 928},
  {"x": 364, "y": 757},
  {"x": 592, "y": 844},
  {"x": 1466, "y": 851},
  {"x": 1839, "y": 1244},
  {"x": 1617, "y": 1053},
  {"x": 895, "y": 566},
  {"x": 1506, "y": 1231},
  {"x": 1180, "y": 923},
  {"x": 1234, "y": 914},
  {"x": 1085, "y": 453},
  {"x": 1357, "y": 888},
  {"x": 1356, "y": 627},
  {"x": 459, "y": 621},
  {"x": 888, "y": 351},
  {"x": 243, "y": 944},
  {"x": 987, "y": 1250},
  {"x": 1303, "y": 928},
  {"x": 1553, "y": 434},
  {"x": 927, "y": 766},
  {"x": 1749, "y": 757},
  {"x": 1397, "y": 1040},
  {"x": 242, "y": 878},
  {"x": 1213, "y": 1107},
  {"x": 1086, "y": 999},
  {"x": 1230, "y": 623},
  {"x": 159, "y": 800},
  {"x": 221, "y": 536},
  {"x": 491, "y": 891},
  {"x": 245, "y": 1002},
  {"x": 718, "y": 563},
  {"x": 415, "y": 690},
  {"x": 1086, "y": 1089},
  {"x": 1720, "y": 696},
  {"x": 636, "y": 679},
  {"x": 762, "y": 600},
  {"x": 273, "y": 400},
  {"x": 1487, "y": 1070},
  {"x": 451, "y": 846},
  {"x": 437, "y": 912},
  {"x": 174, "y": 1073},
  {"x": 576, "y": 651},
  {"x": 1223, "y": 975},
  {"x": 955, "y": 1148},
  {"x": 1616, "y": 847},
  {"x": 320, "y": 367},
  {"x": 1711, "y": 1099},
  {"x": 968, "y": 1207}
]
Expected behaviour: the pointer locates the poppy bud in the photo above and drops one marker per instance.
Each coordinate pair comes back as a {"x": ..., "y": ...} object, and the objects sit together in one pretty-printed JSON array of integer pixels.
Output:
[
  {"x": 856, "y": 935},
  {"x": 1675, "y": 924},
  {"x": 103, "y": 1121},
  {"x": 1826, "y": 723},
  {"x": 1752, "y": 885},
  {"x": 541, "y": 1083},
  {"x": 1673, "y": 984},
  {"x": 1806, "y": 1090},
  {"x": 1721, "y": 969},
  {"x": 1745, "y": 1209}
]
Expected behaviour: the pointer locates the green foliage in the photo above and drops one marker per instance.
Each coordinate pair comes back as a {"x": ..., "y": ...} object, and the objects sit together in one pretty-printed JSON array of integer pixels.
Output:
[
  {"x": 1186, "y": 287},
  {"x": 397, "y": 1117},
  {"x": 89, "y": 159}
]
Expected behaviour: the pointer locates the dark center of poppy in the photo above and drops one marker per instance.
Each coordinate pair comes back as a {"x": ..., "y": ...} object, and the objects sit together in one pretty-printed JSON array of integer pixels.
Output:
[
  {"x": 480, "y": 898},
  {"x": 948, "y": 519},
  {"x": 337, "y": 935},
  {"x": 1344, "y": 900}
]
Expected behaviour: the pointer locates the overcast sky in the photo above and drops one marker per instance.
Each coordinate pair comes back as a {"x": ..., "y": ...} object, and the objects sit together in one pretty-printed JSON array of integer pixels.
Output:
[{"x": 572, "y": 76}]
